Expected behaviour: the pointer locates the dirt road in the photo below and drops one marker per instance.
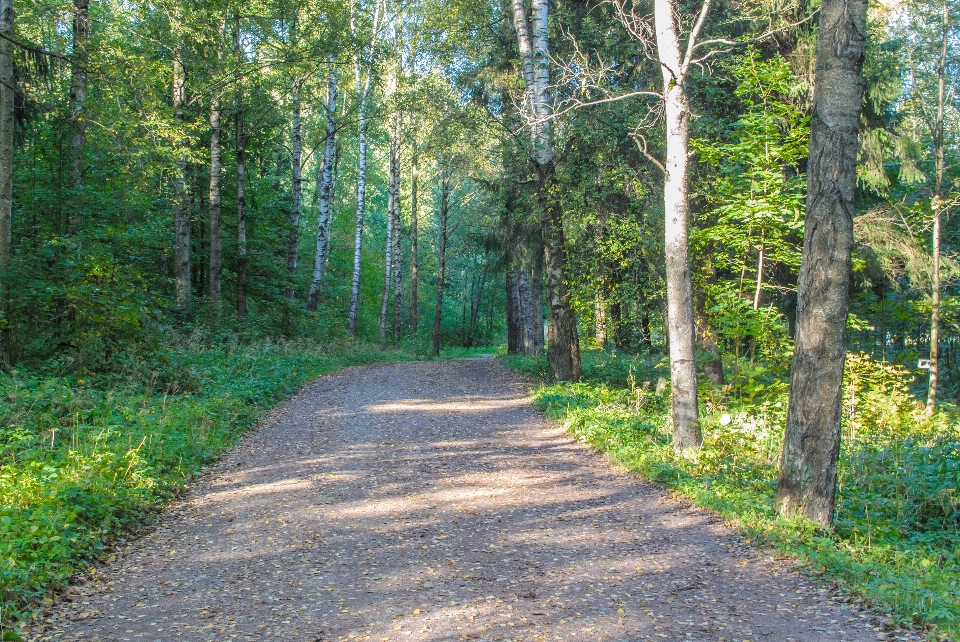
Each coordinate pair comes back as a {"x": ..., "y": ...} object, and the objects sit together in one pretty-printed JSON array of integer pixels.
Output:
[{"x": 430, "y": 501}]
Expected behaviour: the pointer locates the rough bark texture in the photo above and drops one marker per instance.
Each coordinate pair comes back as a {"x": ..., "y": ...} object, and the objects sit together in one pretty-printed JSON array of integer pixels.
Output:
[
  {"x": 514, "y": 312},
  {"x": 78, "y": 104},
  {"x": 441, "y": 260},
  {"x": 216, "y": 165},
  {"x": 241, "y": 186},
  {"x": 563, "y": 350},
  {"x": 7, "y": 119},
  {"x": 808, "y": 473},
  {"x": 296, "y": 194},
  {"x": 181, "y": 204},
  {"x": 680, "y": 322},
  {"x": 361, "y": 196},
  {"x": 325, "y": 191},
  {"x": 600, "y": 319},
  {"x": 414, "y": 241},
  {"x": 388, "y": 258},
  {"x": 938, "y": 211}
]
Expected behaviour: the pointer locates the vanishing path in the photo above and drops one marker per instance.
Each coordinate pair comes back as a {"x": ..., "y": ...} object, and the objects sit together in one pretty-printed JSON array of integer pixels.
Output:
[{"x": 430, "y": 501}]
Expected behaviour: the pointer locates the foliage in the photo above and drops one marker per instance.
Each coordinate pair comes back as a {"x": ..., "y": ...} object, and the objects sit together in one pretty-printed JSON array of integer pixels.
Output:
[
  {"x": 897, "y": 533},
  {"x": 85, "y": 459}
]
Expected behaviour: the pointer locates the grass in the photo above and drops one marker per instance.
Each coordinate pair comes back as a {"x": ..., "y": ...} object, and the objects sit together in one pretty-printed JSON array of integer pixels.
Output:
[
  {"x": 85, "y": 459},
  {"x": 896, "y": 543}
]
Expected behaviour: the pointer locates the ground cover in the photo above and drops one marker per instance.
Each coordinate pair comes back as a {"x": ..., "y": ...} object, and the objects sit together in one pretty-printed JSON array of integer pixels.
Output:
[
  {"x": 896, "y": 544},
  {"x": 86, "y": 457}
]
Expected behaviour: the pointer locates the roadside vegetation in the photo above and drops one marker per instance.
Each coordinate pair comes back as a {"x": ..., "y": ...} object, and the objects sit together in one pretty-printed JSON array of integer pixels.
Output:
[{"x": 896, "y": 539}]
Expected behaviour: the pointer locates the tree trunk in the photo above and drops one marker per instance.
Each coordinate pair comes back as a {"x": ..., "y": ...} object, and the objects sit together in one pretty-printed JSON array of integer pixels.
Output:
[
  {"x": 683, "y": 374},
  {"x": 808, "y": 473},
  {"x": 361, "y": 196},
  {"x": 563, "y": 352},
  {"x": 296, "y": 195},
  {"x": 414, "y": 241},
  {"x": 241, "y": 186},
  {"x": 78, "y": 104},
  {"x": 216, "y": 164},
  {"x": 181, "y": 205},
  {"x": 388, "y": 256},
  {"x": 535, "y": 304},
  {"x": 394, "y": 213},
  {"x": 442, "y": 260},
  {"x": 600, "y": 319},
  {"x": 325, "y": 190},
  {"x": 514, "y": 312},
  {"x": 938, "y": 210},
  {"x": 7, "y": 126}
]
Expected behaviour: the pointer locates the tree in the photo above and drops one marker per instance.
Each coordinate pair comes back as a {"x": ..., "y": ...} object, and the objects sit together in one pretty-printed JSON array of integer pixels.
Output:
[
  {"x": 324, "y": 189},
  {"x": 808, "y": 472},
  {"x": 563, "y": 349}
]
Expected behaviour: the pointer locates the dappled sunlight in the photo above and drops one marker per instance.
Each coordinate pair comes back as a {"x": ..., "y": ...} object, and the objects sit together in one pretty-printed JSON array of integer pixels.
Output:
[{"x": 430, "y": 405}]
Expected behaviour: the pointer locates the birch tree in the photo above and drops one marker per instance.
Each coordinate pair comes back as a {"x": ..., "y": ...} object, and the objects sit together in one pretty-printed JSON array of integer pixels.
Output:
[
  {"x": 78, "y": 104},
  {"x": 811, "y": 447},
  {"x": 181, "y": 178},
  {"x": 240, "y": 149},
  {"x": 563, "y": 350},
  {"x": 324, "y": 189}
]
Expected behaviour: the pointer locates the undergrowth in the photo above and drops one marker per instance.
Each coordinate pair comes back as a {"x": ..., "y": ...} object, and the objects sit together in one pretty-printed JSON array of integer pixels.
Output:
[
  {"x": 85, "y": 458},
  {"x": 896, "y": 542}
]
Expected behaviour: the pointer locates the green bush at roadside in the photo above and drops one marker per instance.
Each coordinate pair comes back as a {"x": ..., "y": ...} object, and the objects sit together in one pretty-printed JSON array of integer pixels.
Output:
[{"x": 896, "y": 543}]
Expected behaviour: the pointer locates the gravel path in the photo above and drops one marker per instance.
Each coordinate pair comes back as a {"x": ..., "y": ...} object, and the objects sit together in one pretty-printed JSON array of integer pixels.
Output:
[{"x": 430, "y": 501}]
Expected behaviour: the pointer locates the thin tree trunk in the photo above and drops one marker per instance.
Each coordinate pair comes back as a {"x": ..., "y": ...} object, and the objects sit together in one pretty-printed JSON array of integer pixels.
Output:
[
  {"x": 811, "y": 447},
  {"x": 325, "y": 190},
  {"x": 759, "y": 288},
  {"x": 600, "y": 319},
  {"x": 414, "y": 241},
  {"x": 388, "y": 257},
  {"x": 397, "y": 266},
  {"x": 216, "y": 165},
  {"x": 535, "y": 304},
  {"x": 514, "y": 312},
  {"x": 442, "y": 260},
  {"x": 938, "y": 211},
  {"x": 680, "y": 321},
  {"x": 181, "y": 205},
  {"x": 7, "y": 120},
  {"x": 241, "y": 186},
  {"x": 296, "y": 195},
  {"x": 7, "y": 125},
  {"x": 361, "y": 196},
  {"x": 563, "y": 352},
  {"x": 78, "y": 104}
]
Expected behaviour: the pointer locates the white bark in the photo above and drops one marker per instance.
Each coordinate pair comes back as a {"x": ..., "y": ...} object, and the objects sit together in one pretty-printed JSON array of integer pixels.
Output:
[
  {"x": 296, "y": 196},
  {"x": 325, "y": 191},
  {"x": 181, "y": 207}
]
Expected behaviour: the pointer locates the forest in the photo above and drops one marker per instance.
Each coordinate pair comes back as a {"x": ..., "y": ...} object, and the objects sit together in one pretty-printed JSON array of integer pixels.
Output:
[{"x": 680, "y": 215}]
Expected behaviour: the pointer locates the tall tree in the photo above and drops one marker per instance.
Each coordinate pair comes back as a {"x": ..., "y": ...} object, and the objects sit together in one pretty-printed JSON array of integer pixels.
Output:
[
  {"x": 78, "y": 104},
  {"x": 181, "y": 178},
  {"x": 444, "y": 213},
  {"x": 811, "y": 448},
  {"x": 240, "y": 147},
  {"x": 563, "y": 350},
  {"x": 324, "y": 189}
]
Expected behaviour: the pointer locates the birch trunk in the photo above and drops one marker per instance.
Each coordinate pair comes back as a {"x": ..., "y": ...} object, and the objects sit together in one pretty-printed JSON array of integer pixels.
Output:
[
  {"x": 7, "y": 120},
  {"x": 181, "y": 205},
  {"x": 441, "y": 261},
  {"x": 325, "y": 190},
  {"x": 938, "y": 211},
  {"x": 361, "y": 196},
  {"x": 414, "y": 241},
  {"x": 808, "y": 473},
  {"x": 388, "y": 258},
  {"x": 397, "y": 274},
  {"x": 241, "y": 185},
  {"x": 296, "y": 195},
  {"x": 563, "y": 351},
  {"x": 680, "y": 321},
  {"x": 78, "y": 104},
  {"x": 600, "y": 320},
  {"x": 216, "y": 166}
]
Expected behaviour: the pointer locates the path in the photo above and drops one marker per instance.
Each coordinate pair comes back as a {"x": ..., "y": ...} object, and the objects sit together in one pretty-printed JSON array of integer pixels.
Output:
[{"x": 428, "y": 502}]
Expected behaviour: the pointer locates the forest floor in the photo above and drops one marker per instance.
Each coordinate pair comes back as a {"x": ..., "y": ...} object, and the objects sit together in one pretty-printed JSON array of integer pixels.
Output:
[{"x": 430, "y": 501}]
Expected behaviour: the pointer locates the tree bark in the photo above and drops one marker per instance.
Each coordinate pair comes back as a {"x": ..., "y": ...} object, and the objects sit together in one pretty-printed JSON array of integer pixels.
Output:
[
  {"x": 600, "y": 319},
  {"x": 181, "y": 205},
  {"x": 414, "y": 242},
  {"x": 442, "y": 260},
  {"x": 808, "y": 473},
  {"x": 563, "y": 351},
  {"x": 938, "y": 211},
  {"x": 397, "y": 274},
  {"x": 680, "y": 321},
  {"x": 78, "y": 104},
  {"x": 361, "y": 195},
  {"x": 325, "y": 190},
  {"x": 7, "y": 126},
  {"x": 241, "y": 185},
  {"x": 216, "y": 165},
  {"x": 388, "y": 256},
  {"x": 514, "y": 312},
  {"x": 296, "y": 194}
]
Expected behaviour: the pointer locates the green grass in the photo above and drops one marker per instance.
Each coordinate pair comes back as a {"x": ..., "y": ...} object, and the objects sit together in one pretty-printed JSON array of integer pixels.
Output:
[
  {"x": 896, "y": 543},
  {"x": 85, "y": 459}
]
